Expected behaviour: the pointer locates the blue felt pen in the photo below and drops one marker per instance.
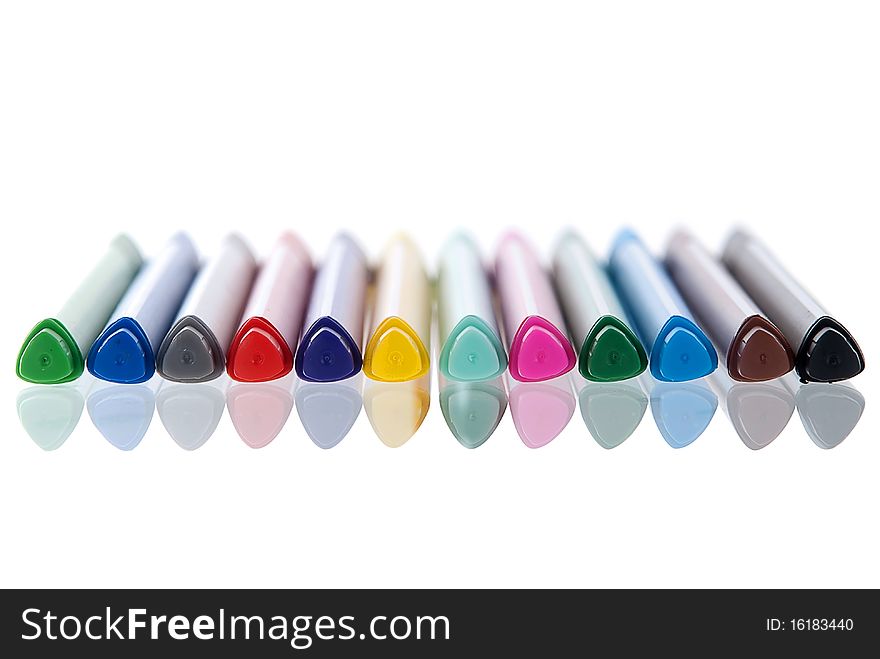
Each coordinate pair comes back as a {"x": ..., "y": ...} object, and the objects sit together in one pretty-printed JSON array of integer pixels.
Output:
[
  {"x": 679, "y": 349},
  {"x": 125, "y": 352}
]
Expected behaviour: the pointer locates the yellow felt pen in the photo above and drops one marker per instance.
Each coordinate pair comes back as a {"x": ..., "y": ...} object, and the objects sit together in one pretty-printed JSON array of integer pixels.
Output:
[{"x": 400, "y": 322}]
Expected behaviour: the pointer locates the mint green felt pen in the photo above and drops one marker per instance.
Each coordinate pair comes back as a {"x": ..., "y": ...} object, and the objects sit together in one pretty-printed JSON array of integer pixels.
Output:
[
  {"x": 56, "y": 347},
  {"x": 471, "y": 348}
]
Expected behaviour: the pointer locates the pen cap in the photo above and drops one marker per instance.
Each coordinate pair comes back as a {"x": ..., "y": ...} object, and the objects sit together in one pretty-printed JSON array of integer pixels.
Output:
[
  {"x": 194, "y": 350},
  {"x": 755, "y": 350},
  {"x": 401, "y": 317},
  {"x": 826, "y": 351},
  {"x": 55, "y": 349},
  {"x": 609, "y": 350},
  {"x": 471, "y": 348},
  {"x": 332, "y": 344},
  {"x": 679, "y": 350},
  {"x": 534, "y": 330}
]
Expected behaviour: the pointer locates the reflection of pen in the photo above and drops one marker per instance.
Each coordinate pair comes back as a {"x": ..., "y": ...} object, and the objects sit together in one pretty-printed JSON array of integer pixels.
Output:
[
  {"x": 826, "y": 351},
  {"x": 194, "y": 350},
  {"x": 682, "y": 411},
  {"x": 56, "y": 348},
  {"x": 758, "y": 411},
  {"x": 754, "y": 347},
  {"x": 540, "y": 410},
  {"x": 400, "y": 322},
  {"x": 126, "y": 350},
  {"x": 263, "y": 346},
  {"x": 678, "y": 348},
  {"x": 472, "y": 410},
  {"x": 471, "y": 348},
  {"x": 330, "y": 349},
  {"x": 609, "y": 350},
  {"x": 829, "y": 413},
  {"x": 538, "y": 348}
]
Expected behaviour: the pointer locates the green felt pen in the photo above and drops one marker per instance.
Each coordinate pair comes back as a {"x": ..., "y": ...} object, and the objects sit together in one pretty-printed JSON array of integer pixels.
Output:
[
  {"x": 55, "y": 349},
  {"x": 471, "y": 348},
  {"x": 609, "y": 350}
]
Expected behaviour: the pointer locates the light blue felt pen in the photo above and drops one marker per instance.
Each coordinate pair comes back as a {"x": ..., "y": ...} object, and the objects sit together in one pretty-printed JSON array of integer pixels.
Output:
[{"x": 679, "y": 350}]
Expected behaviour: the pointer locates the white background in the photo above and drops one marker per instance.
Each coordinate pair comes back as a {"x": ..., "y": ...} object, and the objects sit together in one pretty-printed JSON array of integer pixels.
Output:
[{"x": 384, "y": 116}]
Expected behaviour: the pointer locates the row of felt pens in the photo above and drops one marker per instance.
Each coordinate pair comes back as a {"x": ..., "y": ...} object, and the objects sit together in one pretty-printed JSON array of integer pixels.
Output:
[{"x": 613, "y": 320}]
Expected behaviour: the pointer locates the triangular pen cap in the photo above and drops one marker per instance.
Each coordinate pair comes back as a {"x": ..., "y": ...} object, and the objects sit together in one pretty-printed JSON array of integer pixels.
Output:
[
  {"x": 258, "y": 353},
  {"x": 49, "y": 355},
  {"x": 759, "y": 352},
  {"x": 122, "y": 354},
  {"x": 395, "y": 353},
  {"x": 472, "y": 352},
  {"x": 611, "y": 352},
  {"x": 682, "y": 352},
  {"x": 327, "y": 353},
  {"x": 539, "y": 351},
  {"x": 829, "y": 353},
  {"x": 190, "y": 353}
]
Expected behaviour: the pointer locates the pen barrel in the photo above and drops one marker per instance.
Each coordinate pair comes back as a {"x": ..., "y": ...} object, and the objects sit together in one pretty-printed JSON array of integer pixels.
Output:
[
  {"x": 709, "y": 290},
  {"x": 524, "y": 287},
  {"x": 584, "y": 289},
  {"x": 155, "y": 295},
  {"x": 463, "y": 287},
  {"x": 403, "y": 290},
  {"x": 785, "y": 302},
  {"x": 282, "y": 288},
  {"x": 340, "y": 288},
  {"x": 88, "y": 309},
  {"x": 219, "y": 292},
  {"x": 645, "y": 288}
]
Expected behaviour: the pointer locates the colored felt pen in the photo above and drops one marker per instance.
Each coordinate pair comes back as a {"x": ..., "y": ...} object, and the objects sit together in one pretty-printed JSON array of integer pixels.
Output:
[
  {"x": 678, "y": 348},
  {"x": 194, "y": 350},
  {"x": 538, "y": 348},
  {"x": 753, "y": 347},
  {"x": 126, "y": 350},
  {"x": 263, "y": 347},
  {"x": 397, "y": 350},
  {"x": 332, "y": 342},
  {"x": 56, "y": 348},
  {"x": 471, "y": 348},
  {"x": 826, "y": 351},
  {"x": 609, "y": 349},
  {"x": 472, "y": 410}
]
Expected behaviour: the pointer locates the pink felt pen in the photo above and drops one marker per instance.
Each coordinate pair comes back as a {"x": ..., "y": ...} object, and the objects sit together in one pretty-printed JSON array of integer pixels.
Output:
[{"x": 533, "y": 328}]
